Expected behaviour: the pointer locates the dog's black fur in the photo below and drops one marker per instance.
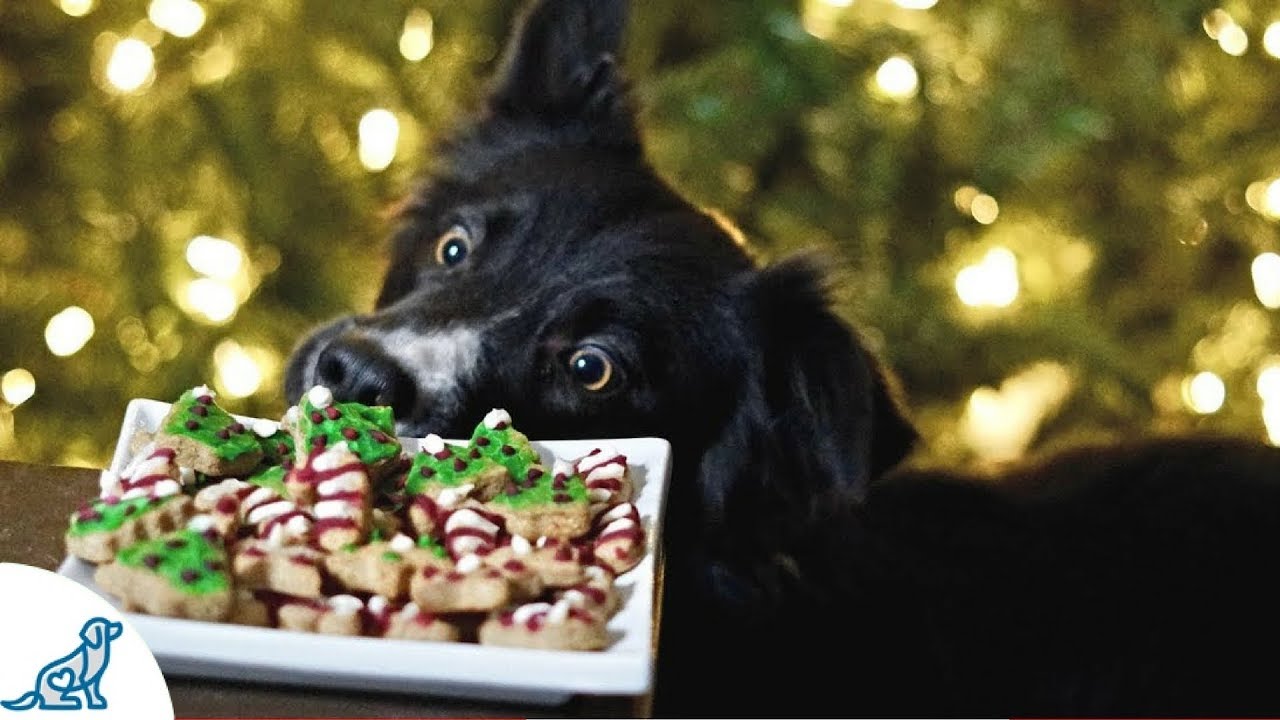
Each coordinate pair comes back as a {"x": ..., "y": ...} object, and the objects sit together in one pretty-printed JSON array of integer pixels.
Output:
[{"x": 803, "y": 574}]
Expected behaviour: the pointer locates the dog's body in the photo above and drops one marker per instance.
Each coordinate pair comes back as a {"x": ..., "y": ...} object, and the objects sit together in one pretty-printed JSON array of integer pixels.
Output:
[
  {"x": 79, "y": 671},
  {"x": 544, "y": 267}
]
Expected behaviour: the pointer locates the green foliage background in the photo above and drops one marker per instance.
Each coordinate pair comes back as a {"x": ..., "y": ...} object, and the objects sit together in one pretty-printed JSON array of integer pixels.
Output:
[{"x": 1119, "y": 140}]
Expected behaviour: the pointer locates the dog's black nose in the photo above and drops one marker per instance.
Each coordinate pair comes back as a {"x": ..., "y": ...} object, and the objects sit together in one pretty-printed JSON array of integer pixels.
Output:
[{"x": 357, "y": 369}]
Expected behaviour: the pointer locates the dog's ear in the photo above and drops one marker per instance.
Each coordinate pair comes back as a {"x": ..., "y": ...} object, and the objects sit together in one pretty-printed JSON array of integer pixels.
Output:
[
  {"x": 817, "y": 415},
  {"x": 561, "y": 68},
  {"x": 91, "y": 633}
]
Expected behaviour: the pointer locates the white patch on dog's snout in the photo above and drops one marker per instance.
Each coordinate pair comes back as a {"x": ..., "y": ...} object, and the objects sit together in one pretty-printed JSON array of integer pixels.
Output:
[{"x": 439, "y": 361}]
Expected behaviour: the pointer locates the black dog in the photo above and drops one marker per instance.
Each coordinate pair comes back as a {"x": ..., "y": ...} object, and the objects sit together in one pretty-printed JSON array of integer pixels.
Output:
[{"x": 545, "y": 268}]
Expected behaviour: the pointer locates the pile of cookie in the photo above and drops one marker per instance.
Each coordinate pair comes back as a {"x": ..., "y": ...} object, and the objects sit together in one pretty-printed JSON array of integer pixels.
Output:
[{"x": 325, "y": 522}]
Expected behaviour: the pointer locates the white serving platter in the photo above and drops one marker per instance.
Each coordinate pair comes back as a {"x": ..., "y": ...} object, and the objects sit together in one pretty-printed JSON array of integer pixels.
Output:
[{"x": 544, "y": 677}]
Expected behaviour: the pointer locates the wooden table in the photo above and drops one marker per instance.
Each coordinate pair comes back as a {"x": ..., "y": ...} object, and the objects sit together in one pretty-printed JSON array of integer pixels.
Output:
[{"x": 35, "y": 502}]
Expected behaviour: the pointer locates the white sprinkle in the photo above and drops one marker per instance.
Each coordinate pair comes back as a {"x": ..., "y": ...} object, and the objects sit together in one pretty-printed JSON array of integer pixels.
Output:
[
  {"x": 200, "y": 523},
  {"x": 320, "y": 396},
  {"x": 276, "y": 538},
  {"x": 621, "y": 511},
  {"x": 599, "y": 494},
  {"x": 468, "y": 564},
  {"x": 465, "y": 544},
  {"x": 199, "y": 390},
  {"x": 298, "y": 525},
  {"x": 560, "y": 467},
  {"x": 109, "y": 483},
  {"x": 524, "y": 612},
  {"x": 401, "y": 543},
  {"x": 291, "y": 416},
  {"x": 542, "y": 541},
  {"x": 595, "y": 572},
  {"x": 558, "y": 614},
  {"x": 345, "y": 604},
  {"x": 378, "y": 604},
  {"x": 409, "y": 611},
  {"x": 265, "y": 428},
  {"x": 496, "y": 417},
  {"x": 432, "y": 444},
  {"x": 574, "y": 598},
  {"x": 519, "y": 546}
]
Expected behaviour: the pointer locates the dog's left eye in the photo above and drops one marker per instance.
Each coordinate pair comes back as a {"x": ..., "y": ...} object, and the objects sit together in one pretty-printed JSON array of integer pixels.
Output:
[
  {"x": 592, "y": 367},
  {"x": 453, "y": 246}
]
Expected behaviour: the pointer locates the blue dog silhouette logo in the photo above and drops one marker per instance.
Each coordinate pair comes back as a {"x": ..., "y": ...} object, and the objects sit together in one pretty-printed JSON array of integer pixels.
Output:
[{"x": 59, "y": 683}]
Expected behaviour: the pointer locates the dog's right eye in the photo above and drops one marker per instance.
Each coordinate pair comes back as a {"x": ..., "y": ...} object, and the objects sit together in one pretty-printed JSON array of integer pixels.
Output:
[{"x": 453, "y": 246}]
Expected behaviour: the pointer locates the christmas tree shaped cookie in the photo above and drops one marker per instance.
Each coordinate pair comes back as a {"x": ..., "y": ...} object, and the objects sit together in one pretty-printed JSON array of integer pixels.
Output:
[
  {"x": 206, "y": 438},
  {"x": 497, "y": 440},
  {"x": 100, "y": 529},
  {"x": 554, "y": 505},
  {"x": 182, "y": 574},
  {"x": 439, "y": 467},
  {"x": 369, "y": 432},
  {"x": 276, "y": 442}
]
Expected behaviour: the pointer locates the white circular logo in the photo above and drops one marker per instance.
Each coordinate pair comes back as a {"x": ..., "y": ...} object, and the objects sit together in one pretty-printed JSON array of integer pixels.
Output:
[{"x": 66, "y": 653}]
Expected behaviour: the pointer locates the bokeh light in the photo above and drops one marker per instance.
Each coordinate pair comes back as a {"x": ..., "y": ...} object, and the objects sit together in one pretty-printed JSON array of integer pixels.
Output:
[
  {"x": 418, "y": 37},
  {"x": 212, "y": 300},
  {"x": 17, "y": 386},
  {"x": 1204, "y": 393},
  {"x": 379, "y": 133},
  {"x": 238, "y": 374},
  {"x": 214, "y": 257},
  {"x": 1266, "y": 279},
  {"x": 180, "y": 18},
  {"x": 68, "y": 331},
  {"x": 1271, "y": 40},
  {"x": 131, "y": 65},
  {"x": 993, "y": 282},
  {"x": 897, "y": 78},
  {"x": 75, "y": 8}
]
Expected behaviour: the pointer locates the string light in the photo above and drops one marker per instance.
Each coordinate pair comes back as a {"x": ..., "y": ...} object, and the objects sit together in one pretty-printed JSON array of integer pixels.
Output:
[
  {"x": 238, "y": 374},
  {"x": 1233, "y": 40},
  {"x": 131, "y": 65},
  {"x": 993, "y": 282},
  {"x": 418, "y": 37},
  {"x": 68, "y": 331},
  {"x": 897, "y": 78},
  {"x": 379, "y": 133},
  {"x": 915, "y": 4},
  {"x": 214, "y": 257},
  {"x": 180, "y": 18},
  {"x": 212, "y": 299},
  {"x": 984, "y": 209},
  {"x": 75, "y": 8},
  {"x": 1266, "y": 279},
  {"x": 17, "y": 386},
  {"x": 1000, "y": 424},
  {"x": 1204, "y": 393},
  {"x": 1269, "y": 380}
]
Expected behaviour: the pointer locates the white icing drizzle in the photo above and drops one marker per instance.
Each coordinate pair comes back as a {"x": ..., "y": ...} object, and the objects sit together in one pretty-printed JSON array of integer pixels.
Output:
[
  {"x": 336, "y": 509},
  {"x": 524, "y": 612},
  {"x": 468, "y": 564},
  {"x": 401, "y": 543},
  {"x": 134, "y": 493},
  {"x": 258, "y": 497},
  {"x": 410, "y": 611},
  {"x": 200, "y": 523},
  {"x": 378, "y": 604},
  {"x": 575, "y": 598},
  {"x": 297, "y": 526},
  {"x": 433, "y": 444},
  {"x": 165, "y": 488},
  {"x": 599, "y": 494},
  {"x": 620, "y": 511},
  {"x": 346, "y": 482},
  {"x": 619, "y": 524},
  {"x": 607, "y": 454},
  {"x": 467, "y": 518},
  {"x": 333, "y": 457},
  {"x": 496, "y": 417},
  {"x": 604, "y": 472},
  {"x": 558, "y": 613},
  {"x": 265, "y": 428},
  {"x": 465, "y": 544},
  {"x": 320, "y": 396},
  {"x": 450, "y": 497},
  {"x": 345, "y": 604},
  {"x": 291, "y": 415},
  {"x": 270, "y": 511},
  {"x": 108, "y": 484},
  {"x": 595, "y": 572},
  {"x": 519, "y": 546}
]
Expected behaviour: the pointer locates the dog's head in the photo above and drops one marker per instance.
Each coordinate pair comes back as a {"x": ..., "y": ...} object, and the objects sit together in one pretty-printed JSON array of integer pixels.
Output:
[
  {"x": 544, "y": 267},
  {"x": 97, "y": 631}
]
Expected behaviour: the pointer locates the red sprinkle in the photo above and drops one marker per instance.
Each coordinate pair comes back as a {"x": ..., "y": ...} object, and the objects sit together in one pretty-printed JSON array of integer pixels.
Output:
[
  {"x": 430, "y": 571},
  {"x": 426, "y": 471},
  {"x": 319, "y": 441},
  {"x": 350, "y": 433},
  {"x": 332, "y": 412},
  {"x": 191, "y": 425},
  {"x": 453, "y": 576},
  {"x": 459, "y": 464},
  {"x": 444, "y": 454},
  {"x": 130, "y": 509},
  {"x": 176, "y": 544},
  {"x": 199, "y": 410},
  {"x": 212, "y": 565},
  {"x": 223, "y": 434},
  {"x": 475, "y": 453},
  {"x": 508, "y": 450},
  {"x": 514, "y": 566},
  {"x": 482, "y": 441},
  {"x": 190, "y": 576},
  {"x": 507, "y": 619},
  {"x": 379, "y": 436},
  {"x": 558, "y": 483},
  {"x": 511, "y": 488},
  {"x": 281, "y": 448},
  {"x": 151, "y": 561},
  {"x": 237, "y": 428},
  {"x": 205, "y": 399},
  {"x": 287, "y": 463},
  {"x": 316, "y": 417},
  {"x": 533, "y": 474},
  {"x": 500, "y": 426}
]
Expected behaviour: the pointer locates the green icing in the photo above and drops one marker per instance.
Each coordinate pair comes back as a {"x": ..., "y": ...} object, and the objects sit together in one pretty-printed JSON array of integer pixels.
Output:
[
  {"x": 277, "y": 447},
  {"x": 517, "y": 463},
  {"x": 205, "y": 428},
  {"x": 427, "y": 542},
  {"x": 543, "y": 492},
  {"x": 392, "y": 556},
  {"x": 187, "y": 559},
  {"x": 444, "y": 472},
  {"x": 374, "y": 429},
  {"x": 104, "y": 517},
  {"x": 271, "y": 477}
]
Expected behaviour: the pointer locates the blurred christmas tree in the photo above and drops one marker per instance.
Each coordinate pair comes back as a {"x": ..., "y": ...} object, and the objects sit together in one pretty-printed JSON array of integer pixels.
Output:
[{"x": 1056, "y": 218}]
